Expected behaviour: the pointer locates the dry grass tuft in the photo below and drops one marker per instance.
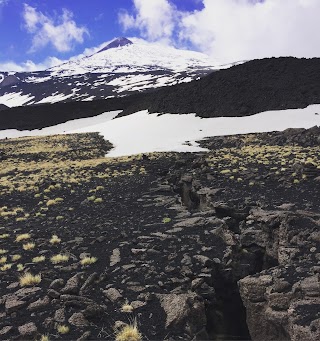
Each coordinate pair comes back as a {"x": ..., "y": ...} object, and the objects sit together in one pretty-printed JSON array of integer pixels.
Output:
[
  {"x": 28, "y": 279},
  {"x": 127, "y": 308},
  {"x": 63, "y": 329},
  {"x": 23, "y": 236},
  {"x": 129, "y": 333},
  {"x": 28, "y": 246},
  {"x": 14, "y": 258},
  {"x": 38, "y": 259},
  {"x": 6, "y": 267},
  {"x": 59, "y": 259},
  {"x": 88, "y": 260},
  {"x": 4, "y": 236},
  {"x": 55, "y": 239},
  {"x": 20, "y": 267},
  {"x": 44, "y": 338}
]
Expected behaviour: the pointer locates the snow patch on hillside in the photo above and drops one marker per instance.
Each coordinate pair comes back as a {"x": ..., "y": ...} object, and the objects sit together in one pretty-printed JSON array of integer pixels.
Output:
[
  {"x": 15, "y": 99},
  {"x": 55, "y": 98},
  {"x": 142, "y": 132},
  {"x": 34, "y": 79}
]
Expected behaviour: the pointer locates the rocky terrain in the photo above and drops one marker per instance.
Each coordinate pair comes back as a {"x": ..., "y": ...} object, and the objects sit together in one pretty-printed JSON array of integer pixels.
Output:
[
  {"x": 223, "y": 245},
  {"x": 241, "y": 90}
]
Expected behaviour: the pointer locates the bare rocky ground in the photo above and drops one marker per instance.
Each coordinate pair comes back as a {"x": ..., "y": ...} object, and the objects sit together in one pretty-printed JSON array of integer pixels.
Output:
[{"x": 223, "y": 245}]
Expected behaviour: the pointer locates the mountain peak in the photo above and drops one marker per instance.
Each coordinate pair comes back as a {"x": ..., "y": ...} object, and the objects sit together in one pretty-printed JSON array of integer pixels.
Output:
[{"x": 118, "y": 42}]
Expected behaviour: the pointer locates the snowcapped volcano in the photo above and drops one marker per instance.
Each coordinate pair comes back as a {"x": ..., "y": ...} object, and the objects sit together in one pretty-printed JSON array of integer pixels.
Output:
[
  {"x": 122, "y": 67},
  {"x": 124, "y": 55},
  {"x": 118, "y": 42}
]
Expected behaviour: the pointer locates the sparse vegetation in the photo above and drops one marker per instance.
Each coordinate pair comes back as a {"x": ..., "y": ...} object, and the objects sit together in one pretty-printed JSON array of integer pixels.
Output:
[
  {"x": 38, "y": 259},
  {"x": 59, "y": 259},
  {"x": 63, "y": 248},
  {"x": 44, "y": 338},
  {"x": 88, "y": 260},
  {"x": 15, "y": 257},
  {"x": 129, "y": 333},
  {"x": 4, "y": 236},
  {"x": 28, "y": 246},
  {"x": 55, "y": 239},
  {"x": 20, "y": 267},
  {"x": 23, "y": 236},
  {"x": 127, "y": 308},
  {"x": 29, "y": 280},
  {"x": 63, "y": 329},
  {"x": 6, "y": 267}
]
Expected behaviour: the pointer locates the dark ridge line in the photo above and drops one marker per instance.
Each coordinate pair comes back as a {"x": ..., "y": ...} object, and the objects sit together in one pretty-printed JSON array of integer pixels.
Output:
[{"x": 242, "y": 90}]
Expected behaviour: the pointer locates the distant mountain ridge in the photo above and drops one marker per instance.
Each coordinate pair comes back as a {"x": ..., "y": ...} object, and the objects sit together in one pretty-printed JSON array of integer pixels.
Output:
[
  {"x": 118, "y": 42},
  {"x": 122, "y": 67},
  {"x": 242, "y": 90}
]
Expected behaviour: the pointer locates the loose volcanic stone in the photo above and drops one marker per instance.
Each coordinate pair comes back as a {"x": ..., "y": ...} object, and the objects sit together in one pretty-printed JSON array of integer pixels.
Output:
[
  {"x": 112, "y": 294},
  {"x": 28, "y": 329},
  {"x": 13, "y": 304},
  {"x": 78, "y": 320}
]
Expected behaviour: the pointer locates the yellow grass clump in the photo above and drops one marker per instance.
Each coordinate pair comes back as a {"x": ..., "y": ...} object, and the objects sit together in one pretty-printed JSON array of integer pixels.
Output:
[
  {"x": 20, "y": 267},
  {"x": 6, "y": 267},
  {"x": 23, "y": 236},
  {"x": 15, "y": 257},
  {"x": 127, "y": 308},
  {"x": 4, "y": 236},
  {"x": 28, "y": 246},
  {"x": 28, "y": 279},
  {"x": 88, "y": 260},
  {"x": 55, "y": 239},
  {"x": 38, "y": 259},
  {"x": 3, "y": 259},
  {"x": 59, "y": 259},
  {"x": 63, "y": 329},
  {"x": 44, "y": 338},
  {"x": 129, "y": 333}
]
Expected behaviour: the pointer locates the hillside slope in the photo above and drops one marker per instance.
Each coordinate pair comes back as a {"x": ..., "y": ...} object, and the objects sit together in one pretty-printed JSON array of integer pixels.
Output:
[
  {"x": 163, "y": 239},
  {"x": 246, "y": 89},
  {"x": 114, "y": 71}
]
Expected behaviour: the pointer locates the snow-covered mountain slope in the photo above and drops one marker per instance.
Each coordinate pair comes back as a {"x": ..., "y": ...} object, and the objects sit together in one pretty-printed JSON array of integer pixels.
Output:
[
  {"x": 142, "y": 132},
  {"x": 137, "y": 57},
  {"x": 121, "y": 69}
]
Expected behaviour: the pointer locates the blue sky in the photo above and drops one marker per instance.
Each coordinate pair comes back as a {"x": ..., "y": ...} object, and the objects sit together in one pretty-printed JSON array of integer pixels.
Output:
[
  {"x": 35, "y": 34},
  {"x": 99, "y": 20}
]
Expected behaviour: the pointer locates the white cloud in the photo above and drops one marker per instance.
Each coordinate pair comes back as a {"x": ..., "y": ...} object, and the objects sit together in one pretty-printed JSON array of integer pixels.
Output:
[
  {"x": 30, "y": 65},
  {"x": 61, "y": 32},
  {"x": 231, "y": 30},
  {"x": 49, "y": 62},
  {"x": 154, "y": 18}
]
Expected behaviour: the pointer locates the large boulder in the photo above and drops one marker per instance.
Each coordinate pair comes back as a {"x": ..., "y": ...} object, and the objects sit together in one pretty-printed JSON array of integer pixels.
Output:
[
  {"x": 283, "y": 302},
  {"x": 184, "y": 312}
]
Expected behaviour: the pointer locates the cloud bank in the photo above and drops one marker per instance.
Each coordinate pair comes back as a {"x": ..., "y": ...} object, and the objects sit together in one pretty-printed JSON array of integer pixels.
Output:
[
  {"x": 61, "y": 32},
  {"x": 231, "y": 30},
  {"x": 49, "y": 62},
  {"x": 29, "y": 65}
]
